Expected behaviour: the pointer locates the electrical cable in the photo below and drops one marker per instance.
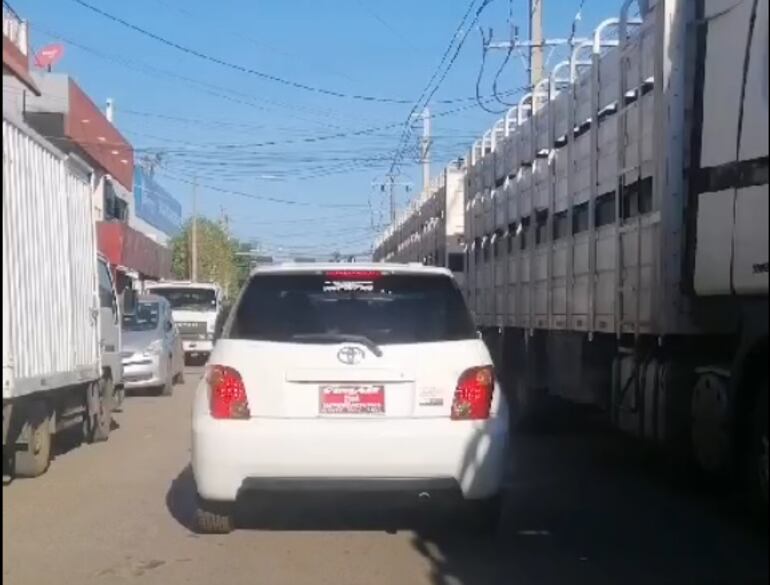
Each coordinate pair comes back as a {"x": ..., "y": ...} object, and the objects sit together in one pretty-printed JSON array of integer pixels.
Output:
[
  {"x": 244, "y": 69},
  {"x": 441, "y": 77},
  {"x": 479, "y": 77}
]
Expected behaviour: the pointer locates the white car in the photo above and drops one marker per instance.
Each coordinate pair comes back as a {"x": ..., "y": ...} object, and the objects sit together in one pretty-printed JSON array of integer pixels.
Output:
[{"x": 349, "y": 378}]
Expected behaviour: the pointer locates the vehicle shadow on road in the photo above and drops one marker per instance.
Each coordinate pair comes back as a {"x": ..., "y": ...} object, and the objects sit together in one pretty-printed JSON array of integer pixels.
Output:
[
  {"x": 583, "y": 505},
  {"x": 586, "y": 506}
]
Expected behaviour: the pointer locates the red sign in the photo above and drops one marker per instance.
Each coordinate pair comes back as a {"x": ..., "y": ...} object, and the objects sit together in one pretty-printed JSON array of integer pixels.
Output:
[{"x": 48, "y": 56}]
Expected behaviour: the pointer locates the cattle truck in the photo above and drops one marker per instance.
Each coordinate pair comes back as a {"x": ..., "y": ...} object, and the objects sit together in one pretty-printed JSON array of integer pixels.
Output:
[
  {"x": 61, "y": 322},
  {"x": 616, "y": 228}
]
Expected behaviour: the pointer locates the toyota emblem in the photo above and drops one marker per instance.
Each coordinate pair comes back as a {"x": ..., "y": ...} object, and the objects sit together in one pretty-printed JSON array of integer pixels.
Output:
[{"x": 351, "y": 356}]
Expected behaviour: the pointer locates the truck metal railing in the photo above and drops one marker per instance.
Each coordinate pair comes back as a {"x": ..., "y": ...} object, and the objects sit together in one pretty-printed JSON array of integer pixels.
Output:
[{"x": 15, "y": 29}]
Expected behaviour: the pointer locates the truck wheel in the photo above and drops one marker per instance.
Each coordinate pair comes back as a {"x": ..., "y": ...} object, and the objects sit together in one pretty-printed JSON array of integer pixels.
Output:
[
  {"x": 758, "y": 462},
  {"x": 711, "y": 414},
  {"x": 34, "y": 459},
  {"x": 120, "y": 397},
  {"x": 213, "y": 517},
  {"x": 100, "y": 403},
  {"x": 484, "y": 515}
]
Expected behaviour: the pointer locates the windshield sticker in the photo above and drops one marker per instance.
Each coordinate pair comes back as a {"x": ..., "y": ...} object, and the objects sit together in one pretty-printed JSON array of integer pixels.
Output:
[{"x": 349, "y": 286}]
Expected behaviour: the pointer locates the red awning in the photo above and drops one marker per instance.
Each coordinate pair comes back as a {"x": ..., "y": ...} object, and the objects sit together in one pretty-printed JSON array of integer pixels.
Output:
[{"x": 124, "y": 246}]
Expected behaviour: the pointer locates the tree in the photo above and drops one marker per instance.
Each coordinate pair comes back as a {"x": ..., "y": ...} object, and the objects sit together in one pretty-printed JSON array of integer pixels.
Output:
[{"x": 217, "y": 259}]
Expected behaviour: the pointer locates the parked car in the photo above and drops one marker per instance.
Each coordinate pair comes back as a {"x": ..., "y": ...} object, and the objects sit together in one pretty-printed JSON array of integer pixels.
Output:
[
  {"x": 367, "y": 378},
  {"x": 152, "y": 347}
]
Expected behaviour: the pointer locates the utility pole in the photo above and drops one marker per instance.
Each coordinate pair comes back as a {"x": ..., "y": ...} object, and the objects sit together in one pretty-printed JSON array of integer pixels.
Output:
[
  {"x": 536, "y": 35},
  {"x": 225, "y": 219},
  {"x": 425, "y": 149},
  {"x": 194, "y": 232},
  {"x": 390, "y": 185}
]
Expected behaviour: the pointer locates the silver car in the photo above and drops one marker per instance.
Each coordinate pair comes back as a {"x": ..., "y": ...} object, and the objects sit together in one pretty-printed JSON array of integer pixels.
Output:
[{"x": 152, "y": 348}]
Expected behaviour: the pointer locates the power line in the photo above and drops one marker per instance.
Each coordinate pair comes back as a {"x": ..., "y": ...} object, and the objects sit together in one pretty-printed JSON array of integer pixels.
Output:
[
  {"x": 196, "y": 18},
  {"x": 242, "y": 68},
  {"x": 261, "y": 197},
  {"x": 369, "y": 10},
  {"x": 228, "y": 64},
  {"x": 438, "y": 78}
]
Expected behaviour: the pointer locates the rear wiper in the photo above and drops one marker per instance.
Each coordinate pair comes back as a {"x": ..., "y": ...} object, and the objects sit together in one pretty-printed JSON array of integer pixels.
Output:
[{"x": 341, "y": 338}]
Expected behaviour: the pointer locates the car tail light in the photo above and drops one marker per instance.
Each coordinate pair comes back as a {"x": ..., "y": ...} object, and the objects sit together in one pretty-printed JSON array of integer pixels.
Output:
[
  {"x": 227, "y": 393},
  {"x": 473, "y": 396},
  {"x": 341, "y": 275}
]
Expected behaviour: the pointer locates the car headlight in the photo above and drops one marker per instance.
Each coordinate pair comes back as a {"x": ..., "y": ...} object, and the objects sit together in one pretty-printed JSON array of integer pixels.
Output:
[{"x": 154, "y": 348}]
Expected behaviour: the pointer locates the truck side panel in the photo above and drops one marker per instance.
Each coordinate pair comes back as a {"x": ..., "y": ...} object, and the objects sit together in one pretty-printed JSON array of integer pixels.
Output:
[{"x": 48, "y": 274}]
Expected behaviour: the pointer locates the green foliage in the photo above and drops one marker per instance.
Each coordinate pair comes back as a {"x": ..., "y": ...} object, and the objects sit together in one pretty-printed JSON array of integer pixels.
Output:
[{"x": 217, "y": 259}]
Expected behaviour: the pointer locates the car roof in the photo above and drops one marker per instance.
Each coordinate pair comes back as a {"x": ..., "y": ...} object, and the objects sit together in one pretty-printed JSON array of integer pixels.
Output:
[{"x": 308, "y": 267}]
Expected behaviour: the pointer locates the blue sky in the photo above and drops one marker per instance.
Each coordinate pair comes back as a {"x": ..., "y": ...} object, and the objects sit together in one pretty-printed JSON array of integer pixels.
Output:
[{"x": 214, "y": 122}]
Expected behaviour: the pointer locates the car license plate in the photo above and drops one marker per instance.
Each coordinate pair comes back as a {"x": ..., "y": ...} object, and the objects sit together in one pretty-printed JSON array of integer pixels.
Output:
[{"x": 352, "y": 400}]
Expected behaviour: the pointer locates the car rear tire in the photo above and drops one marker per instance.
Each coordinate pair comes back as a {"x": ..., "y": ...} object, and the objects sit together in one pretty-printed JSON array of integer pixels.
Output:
[
  {"x": 35, "y": 458},
  {"x": 214, "y": 517},
  {"x": 484, "y": 515},
  {"x": 168, "y": 387}
]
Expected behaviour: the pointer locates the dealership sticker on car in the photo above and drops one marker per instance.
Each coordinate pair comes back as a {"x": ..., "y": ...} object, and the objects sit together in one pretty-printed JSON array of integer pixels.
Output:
[
  {"x": 429, "y": 396},
  {"x": 353, "y": 400}
]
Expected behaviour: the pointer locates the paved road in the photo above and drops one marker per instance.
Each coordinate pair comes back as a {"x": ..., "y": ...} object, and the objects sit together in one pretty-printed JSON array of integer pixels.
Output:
[{"x": 583, "y": 507}]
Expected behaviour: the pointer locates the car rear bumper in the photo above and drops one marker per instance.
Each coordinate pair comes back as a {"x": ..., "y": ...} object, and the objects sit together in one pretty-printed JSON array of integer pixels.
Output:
[{"x": 348, "y": 455}]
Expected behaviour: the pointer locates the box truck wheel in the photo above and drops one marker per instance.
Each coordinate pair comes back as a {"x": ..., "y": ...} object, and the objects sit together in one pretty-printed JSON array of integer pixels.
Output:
[
  {"x": 34, "y": 458},
  {"x": 99, "y": 409}
]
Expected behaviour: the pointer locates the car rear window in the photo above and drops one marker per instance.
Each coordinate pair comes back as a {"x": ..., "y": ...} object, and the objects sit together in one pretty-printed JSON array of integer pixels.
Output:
[{"x": 385, "y": 308}]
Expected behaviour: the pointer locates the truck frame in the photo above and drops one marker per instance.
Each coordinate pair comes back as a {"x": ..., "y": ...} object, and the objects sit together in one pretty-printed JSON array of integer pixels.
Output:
[
  {"x": 616, "y": 229},
  {"x": 61, "y": 320}
]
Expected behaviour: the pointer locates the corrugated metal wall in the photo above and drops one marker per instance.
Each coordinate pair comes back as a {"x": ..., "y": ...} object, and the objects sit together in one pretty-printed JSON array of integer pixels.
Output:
[{"x": 49, "y": 263}]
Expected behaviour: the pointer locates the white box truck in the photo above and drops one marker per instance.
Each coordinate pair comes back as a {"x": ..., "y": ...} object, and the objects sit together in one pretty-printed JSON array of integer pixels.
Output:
[
  {"x": 198, "y": 309},
  {"x": 61, "y": 320},
  {"x": 617, "y": 232}
]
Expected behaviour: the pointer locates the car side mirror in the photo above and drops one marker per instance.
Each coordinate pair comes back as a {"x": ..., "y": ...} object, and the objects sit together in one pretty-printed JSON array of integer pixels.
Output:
[{"x": 169, "y": 325}]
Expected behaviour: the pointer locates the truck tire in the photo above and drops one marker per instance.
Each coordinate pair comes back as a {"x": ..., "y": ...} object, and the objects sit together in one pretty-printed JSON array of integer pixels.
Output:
[
  {"x": 99, "y": 411},
  {"x": 484, "y": 515},
  {"x": 34, "y": 459},
  {"x": 213, "y": 517},
  {"x": 758, "y": 454}
]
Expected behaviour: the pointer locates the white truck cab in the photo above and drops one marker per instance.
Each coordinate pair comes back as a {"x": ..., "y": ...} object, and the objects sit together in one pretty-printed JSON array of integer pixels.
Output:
[{"x": 198, "y": 309}]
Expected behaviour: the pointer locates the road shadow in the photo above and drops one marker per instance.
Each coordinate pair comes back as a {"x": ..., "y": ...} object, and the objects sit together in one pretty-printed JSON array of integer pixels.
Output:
[
  {"x": 72, "y": 438},
  {"x": 582, "y": 505},
  {"x": 588, "y": 506},
  {"x": 180, "y": 498}
]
